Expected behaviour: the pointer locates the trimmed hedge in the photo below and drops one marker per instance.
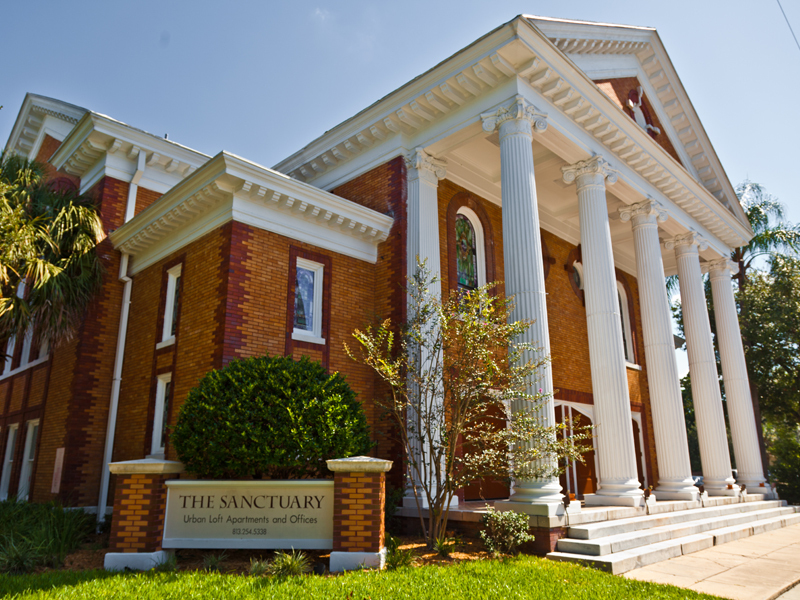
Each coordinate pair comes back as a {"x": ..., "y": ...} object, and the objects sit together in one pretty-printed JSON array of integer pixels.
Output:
[{"x": 269, "y": 417}]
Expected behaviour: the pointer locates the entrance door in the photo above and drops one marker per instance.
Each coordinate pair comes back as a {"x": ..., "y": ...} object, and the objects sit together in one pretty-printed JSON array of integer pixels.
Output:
[{"x": 579, "y": 478}]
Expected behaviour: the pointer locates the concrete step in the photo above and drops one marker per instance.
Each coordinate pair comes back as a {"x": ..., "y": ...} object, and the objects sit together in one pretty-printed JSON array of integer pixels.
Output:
[
  {"x": 603, "y": 529},
  {"x": 643, "y": 537},
  {"x": 626, "y": 560}
]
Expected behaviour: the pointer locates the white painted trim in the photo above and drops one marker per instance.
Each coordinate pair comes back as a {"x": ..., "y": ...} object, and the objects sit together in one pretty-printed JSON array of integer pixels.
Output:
[
  {"x": 313, "y": 335},
  {"x": 158, "y": 414},
  {"x": 626, "y": 323},
  {"x": 22, "y": 368},
  {"x": 8, "y": 459},
  {"x": 173, "y": 276},
  {"x": 135, "y": 561},
  {"x": 350, "y": 561},
  {"x": 28, "y": 459},
  {"x": 163, "y": 344},
  {"x": 480, "y": 244},
  {"x": 299, "y": 335}
]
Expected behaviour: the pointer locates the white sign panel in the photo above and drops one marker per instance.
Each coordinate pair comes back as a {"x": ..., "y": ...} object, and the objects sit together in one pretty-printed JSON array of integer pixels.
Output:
[{"x": 249, "y": 514}]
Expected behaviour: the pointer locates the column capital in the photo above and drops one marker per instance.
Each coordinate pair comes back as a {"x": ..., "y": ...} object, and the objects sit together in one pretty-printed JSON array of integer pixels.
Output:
[
  {"x": 647, "y": 211},
  {"x": 428, "y": 168},
  {"x": 687, "y": 242},
  {"x": 589, "y": 171},
  {"x": 721, "y": 267},
  {"x": 519, "y": 110}
]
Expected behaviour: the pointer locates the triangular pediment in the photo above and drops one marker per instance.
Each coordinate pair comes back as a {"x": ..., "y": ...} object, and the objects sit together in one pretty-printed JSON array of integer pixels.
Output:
[{"x": 622, "y": 58}]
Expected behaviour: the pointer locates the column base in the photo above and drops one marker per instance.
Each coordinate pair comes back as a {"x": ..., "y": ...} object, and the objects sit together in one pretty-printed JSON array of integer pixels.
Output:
[
  {"x": 537, "y": 509},
  {"x": 608, "y": 500},
  {"x": 692, "y": 494},
  {"x": 350, "y": 561},
  {"x": 753, "y": 483},
  {"x": 135, "y": 561},
  {"x": 733, "y": 491}
]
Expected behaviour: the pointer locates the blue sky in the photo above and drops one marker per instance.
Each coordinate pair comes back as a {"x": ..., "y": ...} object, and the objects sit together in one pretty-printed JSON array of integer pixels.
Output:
[{"x": 262, "y": 79}]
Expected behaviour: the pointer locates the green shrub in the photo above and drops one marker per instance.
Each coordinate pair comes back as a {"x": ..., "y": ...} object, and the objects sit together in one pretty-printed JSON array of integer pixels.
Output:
[
  {"x": 258, "y": 567},
  {"x": 396, "y": 557},
  {"x": 213, "y": 562},
  {"x": 269, "y": 417},
  {"x": 289, "y": 564},
  {"x": 504, "y": 531},
  {"x": 39, "y": 534},
  {"x": 786, "y": 470}
]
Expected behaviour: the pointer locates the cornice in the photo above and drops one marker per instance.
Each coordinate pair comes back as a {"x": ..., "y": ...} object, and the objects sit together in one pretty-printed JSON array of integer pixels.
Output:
[
  {"x": 229, "y": 188},
  {"x": 100, "y": 145},
  {"x": 31, "y": 117}
]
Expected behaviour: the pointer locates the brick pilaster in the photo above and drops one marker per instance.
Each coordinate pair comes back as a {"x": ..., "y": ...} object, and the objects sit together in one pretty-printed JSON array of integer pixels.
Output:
[
  {"x": 140, "y": 500},
  {"x": 358, "y": 502}
]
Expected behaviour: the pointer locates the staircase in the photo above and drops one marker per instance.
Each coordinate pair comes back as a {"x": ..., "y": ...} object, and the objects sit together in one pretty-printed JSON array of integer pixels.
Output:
[{"x": 622, "y": 540}]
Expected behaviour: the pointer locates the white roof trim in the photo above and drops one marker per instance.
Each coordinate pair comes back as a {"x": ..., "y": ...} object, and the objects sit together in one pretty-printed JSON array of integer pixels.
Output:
[
  {"x": 229, "y": 188},
  {"x": 26, "y": 135}
]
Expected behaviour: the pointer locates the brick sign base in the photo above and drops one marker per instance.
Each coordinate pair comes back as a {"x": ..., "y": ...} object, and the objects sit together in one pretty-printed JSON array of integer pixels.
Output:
[{"x": 137, "y": 526}]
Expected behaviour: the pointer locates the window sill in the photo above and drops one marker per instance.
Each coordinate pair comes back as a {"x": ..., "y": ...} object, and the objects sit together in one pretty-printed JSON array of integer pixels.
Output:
[
  {"x": 165, "y": 343},
  {"x": 22, "y": 368},
  {"x": 301, "y": 336},
  {"x": 633, "y": 366}
]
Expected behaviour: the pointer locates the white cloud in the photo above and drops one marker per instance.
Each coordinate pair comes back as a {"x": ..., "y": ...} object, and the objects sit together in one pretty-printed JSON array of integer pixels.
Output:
[{"x": 321, "y": 14}]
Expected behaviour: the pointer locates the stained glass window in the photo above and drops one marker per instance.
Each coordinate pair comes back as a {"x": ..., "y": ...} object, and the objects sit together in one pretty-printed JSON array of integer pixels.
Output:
[
  {"x": 466, "y": 259},
  {"x": 304, "y": 300}
]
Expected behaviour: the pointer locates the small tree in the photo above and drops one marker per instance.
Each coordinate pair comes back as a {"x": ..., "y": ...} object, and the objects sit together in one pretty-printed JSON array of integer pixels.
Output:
[
  {"x": 454, "y": 374},
  {"x": 269, "y": 417}
]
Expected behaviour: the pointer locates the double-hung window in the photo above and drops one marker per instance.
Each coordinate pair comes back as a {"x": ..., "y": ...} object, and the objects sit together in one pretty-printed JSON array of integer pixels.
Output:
[
  {"x": 8, "y": 459},
  {"x": 308, "y": 302},
  {"x": 28, "y": 459},
  {"x": 161, "y": 413},
  {"x": 170, "y": 327}
]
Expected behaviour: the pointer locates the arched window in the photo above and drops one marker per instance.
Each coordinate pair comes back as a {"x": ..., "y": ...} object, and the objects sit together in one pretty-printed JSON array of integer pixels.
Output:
[
  {"x": 470, "y": 254},
  {"x": 625, "y": 323},
  {"x": 577, "y": 274}
]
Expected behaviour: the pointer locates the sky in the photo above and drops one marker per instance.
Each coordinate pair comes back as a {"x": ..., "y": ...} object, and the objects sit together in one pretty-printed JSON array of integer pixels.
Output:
[{"x": 263, "y": 79}]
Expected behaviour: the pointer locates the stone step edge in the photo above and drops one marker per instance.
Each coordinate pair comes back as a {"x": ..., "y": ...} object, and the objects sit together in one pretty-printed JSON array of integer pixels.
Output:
[
  {"x": 622, "y": 562},
  {"x": 641, "y": 535},
  {"x": 595, "y": 530}
]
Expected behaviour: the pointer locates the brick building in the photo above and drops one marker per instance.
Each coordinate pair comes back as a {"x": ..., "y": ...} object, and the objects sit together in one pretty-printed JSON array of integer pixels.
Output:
[{"x": 495, "y": 165}]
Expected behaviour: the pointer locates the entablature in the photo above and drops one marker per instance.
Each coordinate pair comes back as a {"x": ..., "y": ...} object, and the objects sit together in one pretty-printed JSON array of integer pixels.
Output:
[{"x": 229, "y": 188}]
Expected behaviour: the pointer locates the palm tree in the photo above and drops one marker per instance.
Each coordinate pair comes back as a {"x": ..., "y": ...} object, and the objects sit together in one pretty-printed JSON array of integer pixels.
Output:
[
  {"x": 773, "y": 234},
  {"x": 49, "y": 268}
]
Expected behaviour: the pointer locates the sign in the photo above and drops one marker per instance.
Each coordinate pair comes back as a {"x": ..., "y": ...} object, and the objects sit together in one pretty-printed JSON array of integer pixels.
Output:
[{"x": 249, "y": 514}]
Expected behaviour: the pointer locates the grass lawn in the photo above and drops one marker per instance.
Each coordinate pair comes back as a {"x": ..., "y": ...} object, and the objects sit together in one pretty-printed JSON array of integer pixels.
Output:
[{"x": 521, "y": 577}]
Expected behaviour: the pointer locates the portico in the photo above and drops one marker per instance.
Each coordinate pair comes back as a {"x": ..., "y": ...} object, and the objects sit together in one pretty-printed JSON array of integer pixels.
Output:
[{"x": 531, "y": 121}]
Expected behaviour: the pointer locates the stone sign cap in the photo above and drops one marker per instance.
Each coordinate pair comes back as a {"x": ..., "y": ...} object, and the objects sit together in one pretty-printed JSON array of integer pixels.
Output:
[
  {"x": 146, "y": 466},
  {"x": 360, "y": 464}
]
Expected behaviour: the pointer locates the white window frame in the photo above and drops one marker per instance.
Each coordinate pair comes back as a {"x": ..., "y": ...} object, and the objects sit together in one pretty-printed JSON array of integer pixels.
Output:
[
  {"x": 480, "y": 246},
  {"x": 8, "y": 459},
  {"x": 157, "y": 445},
  {"x": 28, "y": 459},
  {"x": 579, "y": 268},
  {"x": 170, "y": 306},
  {"x": 10, "y": 347},
  {"x": 626, "y": 324},
  {"x": 315, "y": 335}
]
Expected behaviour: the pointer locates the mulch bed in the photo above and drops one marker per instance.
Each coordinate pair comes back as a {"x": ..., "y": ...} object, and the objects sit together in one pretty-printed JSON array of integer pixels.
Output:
[{"x": 238, "y": 561}]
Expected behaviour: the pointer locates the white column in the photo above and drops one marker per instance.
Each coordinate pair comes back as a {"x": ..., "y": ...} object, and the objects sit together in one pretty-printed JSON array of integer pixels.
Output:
[
  {"x": 734, "y": 374},
  {"x": 711, "y": 432},
  {"x": 422, "y": 240},
  {"x": 669, "y": 426},
  {"x": 618, "y": 482},
  {"x": 524, "y": 274}
]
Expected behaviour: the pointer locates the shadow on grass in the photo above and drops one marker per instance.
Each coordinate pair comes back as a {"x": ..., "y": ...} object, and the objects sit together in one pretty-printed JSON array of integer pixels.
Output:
[{"x": 17, "y": 584}]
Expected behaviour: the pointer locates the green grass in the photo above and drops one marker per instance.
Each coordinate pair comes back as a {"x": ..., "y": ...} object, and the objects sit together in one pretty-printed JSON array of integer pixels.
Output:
[{"x": 523, "y": 577}]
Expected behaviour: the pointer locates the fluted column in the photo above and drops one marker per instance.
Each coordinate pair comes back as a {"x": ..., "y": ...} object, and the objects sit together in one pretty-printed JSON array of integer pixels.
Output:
[
  {"x": 618, "y": 482},
  {"x": 524, "y": 272},
  {"x": 706, "y": 396},
  {"x": 674, "y": 467},
  {"x": 422, "y": 240},
  {"x": 734, "y": 374}
]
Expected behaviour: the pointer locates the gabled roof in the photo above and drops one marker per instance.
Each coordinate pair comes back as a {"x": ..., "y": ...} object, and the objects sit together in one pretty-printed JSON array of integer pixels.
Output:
[
  {"x": 40, "y": 115},
  {"x": 604, "y": 50},
  {"x": 550, "y": 56}
]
